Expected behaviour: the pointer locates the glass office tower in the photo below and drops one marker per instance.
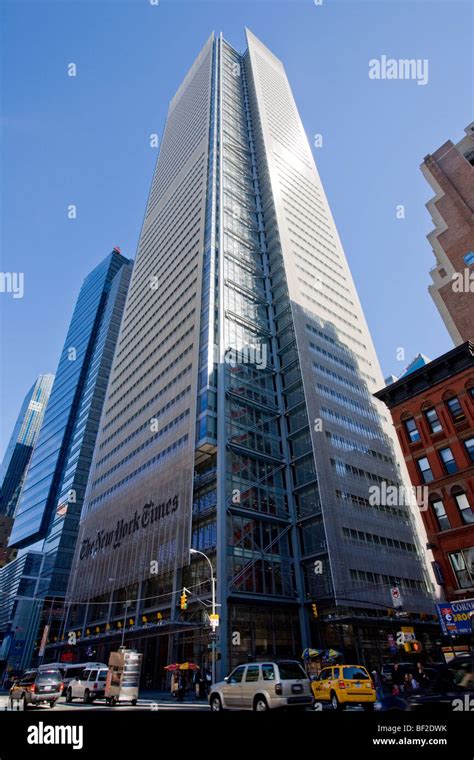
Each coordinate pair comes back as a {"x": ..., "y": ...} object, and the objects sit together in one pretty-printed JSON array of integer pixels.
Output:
[
  {"x": 39, "y": 499},
  {"x": 20, "y": 447},
  {"x": 50, "y": 506},
  {"x": 239, "y": 418}
]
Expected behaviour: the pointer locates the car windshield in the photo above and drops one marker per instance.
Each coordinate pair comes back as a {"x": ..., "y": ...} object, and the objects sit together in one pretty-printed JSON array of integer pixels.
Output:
[
  {"x": 354, "y": 673},
  {"x": 48, "y": 676},
  {"x": 290, "y": 670}
]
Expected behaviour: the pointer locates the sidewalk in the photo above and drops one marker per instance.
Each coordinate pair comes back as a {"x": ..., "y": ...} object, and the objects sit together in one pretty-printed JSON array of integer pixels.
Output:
[{"x": 165, "y": 696}]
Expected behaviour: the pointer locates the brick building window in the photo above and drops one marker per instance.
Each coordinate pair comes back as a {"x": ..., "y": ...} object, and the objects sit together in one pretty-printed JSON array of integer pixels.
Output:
[
  {"x": 448, "y": 460},
  {"x": 463, "y": 505},
  {"x": 455, "y": 409},
  {"x": 425, "y": 469},
  {"x": 412, "y": 430},
  {"x": 469, "y": 446},
  {"x": 440, "y": 513},
  {"x": 433, "y": 420},
  {"x": 461, "y": 562}
]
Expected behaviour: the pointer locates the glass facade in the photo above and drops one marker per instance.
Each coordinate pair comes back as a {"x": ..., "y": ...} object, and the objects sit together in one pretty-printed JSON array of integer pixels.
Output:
[
  {"x": 40, "y": 492},
  {"x": 62, "y": 532},
  {"x": 22, "y": 442}
]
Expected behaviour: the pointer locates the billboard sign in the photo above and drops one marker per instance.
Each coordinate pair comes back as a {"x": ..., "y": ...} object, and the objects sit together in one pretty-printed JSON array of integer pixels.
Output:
[{"x": 455, "y": 617}]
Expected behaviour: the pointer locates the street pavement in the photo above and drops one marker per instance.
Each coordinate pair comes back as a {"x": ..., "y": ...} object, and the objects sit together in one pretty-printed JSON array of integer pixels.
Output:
[
  {"x": 148, "y": 700},
  {"x": 157, "y": 703},
  {"x": 154, "y": 701}
]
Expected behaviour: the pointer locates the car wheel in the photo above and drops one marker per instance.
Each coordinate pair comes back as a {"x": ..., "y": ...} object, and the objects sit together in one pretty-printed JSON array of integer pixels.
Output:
[
  {"x": 216, "y": 704},
  {"x": 134, "y": 702},
  {"x": 25, "y": 703},
  {"x": 52, "y": 703},
  {"x": 335, "y": 704},
  {"x": 368, "y": 706},
  {"x": 86, "y": 697},
  {"x": 69, "y": 695},
  {"x": 260, "y": 704}
]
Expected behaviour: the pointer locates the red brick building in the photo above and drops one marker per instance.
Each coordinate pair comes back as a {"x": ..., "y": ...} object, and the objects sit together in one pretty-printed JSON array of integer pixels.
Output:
[
  {"x": 433, "y": 413},
  {"x": 450, "y": 172}
]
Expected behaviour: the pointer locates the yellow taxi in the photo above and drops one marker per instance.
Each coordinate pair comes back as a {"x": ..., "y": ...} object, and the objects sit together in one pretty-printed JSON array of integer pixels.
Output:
[{"x": 343, "y": 685}]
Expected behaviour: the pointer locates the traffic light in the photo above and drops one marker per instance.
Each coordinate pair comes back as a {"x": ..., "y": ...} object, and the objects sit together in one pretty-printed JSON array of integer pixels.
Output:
[
  {"x": 314, "y": 608},
  {"x": 183, "y": 601},
  {"x": 413, "y": 647}
]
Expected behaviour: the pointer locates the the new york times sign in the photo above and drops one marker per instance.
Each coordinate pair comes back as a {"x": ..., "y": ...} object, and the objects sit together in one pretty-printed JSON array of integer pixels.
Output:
[{"x": 145, "y": 519}]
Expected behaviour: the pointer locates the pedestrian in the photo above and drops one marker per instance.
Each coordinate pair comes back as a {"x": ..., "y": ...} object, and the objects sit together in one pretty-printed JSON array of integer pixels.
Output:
[
  {"x": 196, "y": 680},
  {"x": 377, "y": 679},
  {"x": 202, "y": 685},
  {"x": 174, "y": 685},
  {"x": 414, "y": 684},
  {"x": 181, "y": 686},
  {"x": 208, "y": 679},
  {"x": 421, "y": 674},
  {"x": 397, "y": 679}
]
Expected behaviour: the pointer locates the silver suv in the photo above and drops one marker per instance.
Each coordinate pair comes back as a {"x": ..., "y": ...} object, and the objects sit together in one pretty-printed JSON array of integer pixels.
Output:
[
  {"x": 263, "y": 686},
  {"x": 36, "y": 686}
]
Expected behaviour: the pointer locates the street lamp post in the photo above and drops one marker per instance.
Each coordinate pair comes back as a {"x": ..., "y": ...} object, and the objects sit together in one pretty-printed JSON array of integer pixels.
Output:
[
  {"x": 213, "y": 589},
  {"x": 124, "y": 620}
]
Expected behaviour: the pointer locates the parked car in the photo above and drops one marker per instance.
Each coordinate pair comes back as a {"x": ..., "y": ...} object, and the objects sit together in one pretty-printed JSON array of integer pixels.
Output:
[
  {"x": 263, "y": 686},
  {"x": 36, "y": 686},
  {"x": 89, "y": 686},
  {"x": 344, "y": 684}
]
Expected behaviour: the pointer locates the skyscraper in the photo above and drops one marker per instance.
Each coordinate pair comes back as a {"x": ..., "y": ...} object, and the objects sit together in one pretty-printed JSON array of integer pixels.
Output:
[
  {"x": 450, "y": 172},
  {"x": 41, "y": 489},
  {"x": 20, "y": 447},
  {"x": 239, "y": 419},
  {"x": 50, "y": 506}
]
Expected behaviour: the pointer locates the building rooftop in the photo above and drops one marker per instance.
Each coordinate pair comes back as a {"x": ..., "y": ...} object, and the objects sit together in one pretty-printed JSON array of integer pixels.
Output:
[{"x": 418, "y": 379}]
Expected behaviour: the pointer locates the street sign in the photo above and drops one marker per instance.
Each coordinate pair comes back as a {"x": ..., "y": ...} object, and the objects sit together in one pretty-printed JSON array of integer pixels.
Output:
[
  {"x": 214, "y": 621},
  {"x": 396, "y": 596},
  {"x": 408, "y": 634},
  {"x": 455, "y": 617}
]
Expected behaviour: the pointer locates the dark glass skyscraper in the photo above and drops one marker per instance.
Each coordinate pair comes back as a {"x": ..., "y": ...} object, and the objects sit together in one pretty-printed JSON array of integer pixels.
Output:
[
  {"x": 41, "y": 491},
  {"x": 22, "y": 441},
  {"x": 49, "y": 509}
]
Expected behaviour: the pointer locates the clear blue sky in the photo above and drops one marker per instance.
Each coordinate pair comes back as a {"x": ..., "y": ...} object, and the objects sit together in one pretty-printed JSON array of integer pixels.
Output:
[{"x": 85, "y": 140}]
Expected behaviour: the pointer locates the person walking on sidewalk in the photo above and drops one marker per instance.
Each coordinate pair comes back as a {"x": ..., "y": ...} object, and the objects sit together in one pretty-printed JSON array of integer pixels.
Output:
[{"x": 181, "y": 686}]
